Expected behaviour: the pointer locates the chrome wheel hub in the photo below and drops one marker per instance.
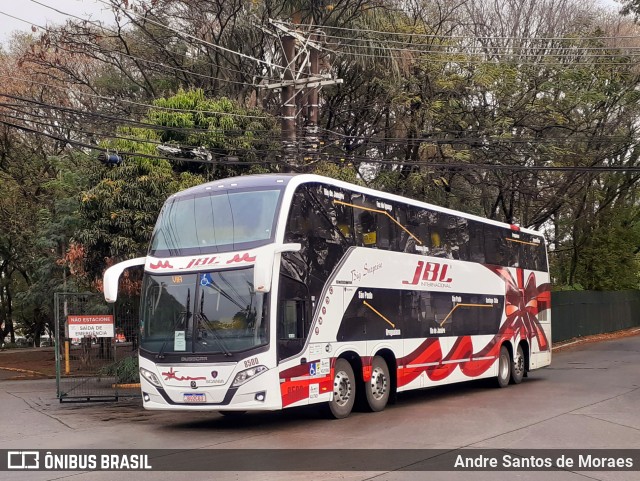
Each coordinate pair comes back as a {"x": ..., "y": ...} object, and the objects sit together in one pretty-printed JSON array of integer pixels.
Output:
[
  {"x": 341, "y": 388},
  {"x": 378, "y": 383}
]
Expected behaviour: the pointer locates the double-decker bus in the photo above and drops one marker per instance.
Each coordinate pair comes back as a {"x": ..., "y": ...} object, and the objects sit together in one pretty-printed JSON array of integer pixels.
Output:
[{"x": 272, "y": 291}]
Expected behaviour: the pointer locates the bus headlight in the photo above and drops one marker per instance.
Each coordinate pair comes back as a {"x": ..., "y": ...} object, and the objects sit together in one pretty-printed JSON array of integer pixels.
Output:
[
  {"x": 244, "y": 376},
  {"x": 151, "y": 377}
]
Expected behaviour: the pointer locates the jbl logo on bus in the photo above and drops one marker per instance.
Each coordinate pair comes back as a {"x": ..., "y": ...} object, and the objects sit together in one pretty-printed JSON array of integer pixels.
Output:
[{"x": 430, "y": 272}]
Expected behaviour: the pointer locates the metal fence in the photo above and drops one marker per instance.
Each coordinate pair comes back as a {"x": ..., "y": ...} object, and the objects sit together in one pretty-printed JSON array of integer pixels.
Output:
[
  {"x": 87, "y": 368},
  {"x": 583, "y": 313}
]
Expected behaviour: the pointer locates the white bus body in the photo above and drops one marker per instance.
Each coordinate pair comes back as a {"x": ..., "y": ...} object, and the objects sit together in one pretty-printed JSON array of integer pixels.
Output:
[{"x": 344, "y": 291}]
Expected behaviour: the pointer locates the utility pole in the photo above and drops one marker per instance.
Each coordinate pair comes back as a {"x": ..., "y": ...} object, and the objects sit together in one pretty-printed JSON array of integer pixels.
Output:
[
  {"x": 301, "y": 72},
  {"x": 311, "y": 128},
  {"x": 288, "y": 96}
]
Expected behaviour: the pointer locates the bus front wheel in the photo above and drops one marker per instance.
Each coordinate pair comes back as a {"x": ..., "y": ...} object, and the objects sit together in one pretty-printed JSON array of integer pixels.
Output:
[
  {"x": 504, "y": 367},
  {"x": 344, "y": 390},
  {"x": 379, "y": 387}
]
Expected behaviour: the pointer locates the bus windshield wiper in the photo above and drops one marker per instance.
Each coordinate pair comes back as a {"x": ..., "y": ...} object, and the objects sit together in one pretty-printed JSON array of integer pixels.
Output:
[
  {"x": 184, "y": 316},
  {"x": 201, "y": 316}
]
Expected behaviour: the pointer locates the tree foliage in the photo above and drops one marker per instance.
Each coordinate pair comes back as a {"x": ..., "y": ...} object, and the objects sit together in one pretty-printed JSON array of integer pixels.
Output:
[
  {"x": 120, "y": 210},
  {"x": 502, "y": 109}
]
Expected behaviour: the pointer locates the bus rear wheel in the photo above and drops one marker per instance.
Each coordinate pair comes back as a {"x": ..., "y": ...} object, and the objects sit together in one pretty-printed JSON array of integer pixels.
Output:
[
  {"x": 344, "y": 390},
  {"x": 518, "y": 368},
  {"x": 504, "y": 367},
  {"x": 378, "y": 387}
]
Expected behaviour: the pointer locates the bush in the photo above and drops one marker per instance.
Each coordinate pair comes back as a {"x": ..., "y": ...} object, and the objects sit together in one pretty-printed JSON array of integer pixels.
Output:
[{"x": 125, "y": 370}]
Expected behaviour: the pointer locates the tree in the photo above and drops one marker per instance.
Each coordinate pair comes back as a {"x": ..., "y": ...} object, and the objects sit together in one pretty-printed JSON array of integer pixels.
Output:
[
  {"x": 510, "y": 110},
  {"x": 630, "y": 7},
  {"x": 40, "y": 178},
  {"x": 120, "y": 210}
]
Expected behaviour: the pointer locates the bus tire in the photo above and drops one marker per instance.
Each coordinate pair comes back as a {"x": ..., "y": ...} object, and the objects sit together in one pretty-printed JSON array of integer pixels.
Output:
[
  {"x": 344, "y": 390},
  {"x": 504, "y": 367},
  {"x": 378, "y": 388},
  {"x": 518, "y": 368}
]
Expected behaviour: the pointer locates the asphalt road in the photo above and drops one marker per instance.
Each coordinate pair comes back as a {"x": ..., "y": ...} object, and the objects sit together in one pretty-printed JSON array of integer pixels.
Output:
[{"x": 588, "y": 399}]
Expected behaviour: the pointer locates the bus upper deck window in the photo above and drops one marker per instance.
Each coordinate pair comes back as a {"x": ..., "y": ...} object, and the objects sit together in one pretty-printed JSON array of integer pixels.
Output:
[{"x": 368, "y": 226}]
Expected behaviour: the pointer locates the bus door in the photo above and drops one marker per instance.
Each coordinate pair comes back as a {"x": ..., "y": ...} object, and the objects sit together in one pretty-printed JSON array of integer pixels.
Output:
[{"x": 292, "y": 329}]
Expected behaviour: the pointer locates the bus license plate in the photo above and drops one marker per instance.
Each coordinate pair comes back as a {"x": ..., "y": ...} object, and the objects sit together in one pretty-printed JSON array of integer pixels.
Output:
[{"x": 194, "y": 397}]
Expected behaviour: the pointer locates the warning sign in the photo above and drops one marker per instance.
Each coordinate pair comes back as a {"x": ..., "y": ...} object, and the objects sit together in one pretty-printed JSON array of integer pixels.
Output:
[{"x": 90, "y": 326}]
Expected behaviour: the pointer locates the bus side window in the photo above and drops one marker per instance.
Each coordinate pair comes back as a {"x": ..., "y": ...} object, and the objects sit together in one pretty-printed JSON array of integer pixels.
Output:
[
  {"x": 298, "y": 222},
  {"x": 459, "y": 238},
  {"x": 332, "y": 202},
  {"x": 532, "y": 253},
  {"x": 476, "y": 242},
  {"x": 496, "y": 250},
  {"x": 449, "y": 236},
  {"x": 368, "y": 228},
  {"x": 418, "y": 224},
  {"x": 374, "y": 228},
  {"x": 294, "y": 319},
  {"x": 385, "y": 232},
  {"x": 399, "y": 239},
  {"x": 541, "y": 257},
  {"x": 439, "y": 246}
]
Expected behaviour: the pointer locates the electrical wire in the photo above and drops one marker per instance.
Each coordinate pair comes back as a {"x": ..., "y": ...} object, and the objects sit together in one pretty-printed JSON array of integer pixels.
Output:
[
  {"x": 193, "y": 37},
  {"x": 157, "y": 143},
  {"x": 117, "y": 34},
  {"x": 120, "y": 119},
  {"x": 459, "y": 59},
  {"x": 483, "y": 140},
  {"x": 342, "y": 160},
  {"x": 572, "y": 43},
  {"x": 84, "y": 145},
  {"x": 106, "y": 52},
  {"x": 451, "y": 37},
  {"x": 468, "y": 137}
]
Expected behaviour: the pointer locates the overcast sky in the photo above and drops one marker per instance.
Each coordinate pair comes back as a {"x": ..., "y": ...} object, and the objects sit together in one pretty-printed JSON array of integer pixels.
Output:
[{"x": 34, "y": 13}]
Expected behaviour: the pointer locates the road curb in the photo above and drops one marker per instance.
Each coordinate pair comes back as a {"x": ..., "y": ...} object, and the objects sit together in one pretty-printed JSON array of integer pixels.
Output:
[
  {"x": 126, "y": 386},
  {"x": 25, "y": 371}
]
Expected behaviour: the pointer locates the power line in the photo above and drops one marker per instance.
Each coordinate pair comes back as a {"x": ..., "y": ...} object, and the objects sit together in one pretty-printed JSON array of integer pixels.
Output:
[
  {"x": 479, "y": 140},
  {"x": 119, "y": 119},
  {"x": 482, "y": 50},
  {"x": 483, "y": 166},
  {"x": 487, "y": 51},
  {"x": 458, "y": 59},
  {"x": 468, "y": 137},
  {"x": 106, "y": 53},
  {"x": 474, "y": 136},
  {"x": 341, "y": 160},
  {"x": 232, "y": 114},
  {"x": 193, "y": 37},
  {"x": 472, "y": 42},
  {"x": 157, "y": 143},
  {"x": 454, "y": 37},
  {"x": 84, "y": 145},
  {"x": 116, "y": 33}
]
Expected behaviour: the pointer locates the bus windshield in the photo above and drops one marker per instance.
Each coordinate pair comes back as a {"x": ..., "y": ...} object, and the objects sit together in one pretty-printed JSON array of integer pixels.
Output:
[
  {"x": 224, "y": 221},
  {"x": 212, "y": 312}
]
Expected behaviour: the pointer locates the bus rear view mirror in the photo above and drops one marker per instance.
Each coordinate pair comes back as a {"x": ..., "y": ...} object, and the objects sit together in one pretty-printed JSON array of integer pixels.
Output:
[
  {"x": 263, "y": 268},
  {"x": 112, "y": 277}
]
